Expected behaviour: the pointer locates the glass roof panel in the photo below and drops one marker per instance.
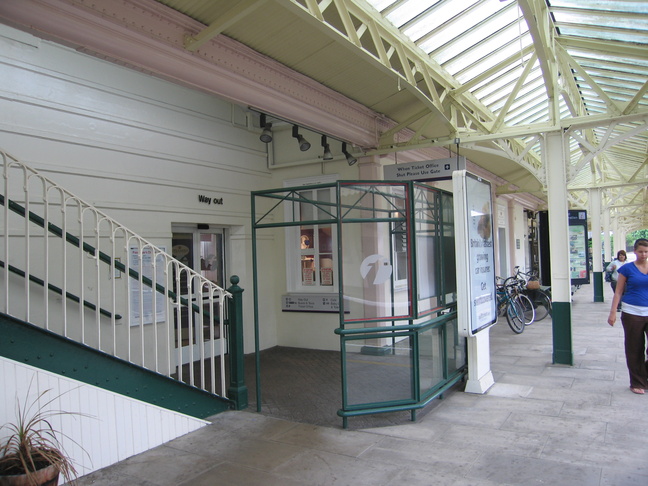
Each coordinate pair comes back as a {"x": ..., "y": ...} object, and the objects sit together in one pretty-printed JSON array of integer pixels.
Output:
[
  {"x": 381, "y": 5},
  {"x": 476, "y": 60},
  {"x": 602, "y": 34},
  {"x": 618, "y": 62},
  {"x": 628, "y": 6},
  {"x": 595, "y": 18},
  {"x": 441, "y": 15},
  {"x": 513, "y": 52},
  {"x": 490, "y": 88},
  {"x": 408, "y": 10},
  {"x": 499, "y": 30},
  {"x": 486, "y": 45}
]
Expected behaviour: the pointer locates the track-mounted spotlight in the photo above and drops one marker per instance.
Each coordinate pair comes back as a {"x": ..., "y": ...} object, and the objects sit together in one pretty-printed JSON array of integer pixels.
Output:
[
  {"x": 266, "y": 135},
  {"x": 350, "y": 158},
  {"x": 303, "y": 143},
  {"x": 327, "y": 149}
]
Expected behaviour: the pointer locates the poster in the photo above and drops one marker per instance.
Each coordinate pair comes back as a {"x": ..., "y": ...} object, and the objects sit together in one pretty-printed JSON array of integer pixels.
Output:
[
  {"x": 308, "y": 276},
  {"x": 141, "y": 298},
  {"x": 327, "y": 276}
]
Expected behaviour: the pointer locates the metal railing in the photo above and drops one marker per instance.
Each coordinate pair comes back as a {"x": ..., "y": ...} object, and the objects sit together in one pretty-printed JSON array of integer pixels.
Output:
[{"x": 69, "y": 268}]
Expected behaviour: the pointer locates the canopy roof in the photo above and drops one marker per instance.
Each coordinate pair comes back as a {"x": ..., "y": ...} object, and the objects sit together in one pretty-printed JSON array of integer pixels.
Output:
[
  {"x": 487, "y": 78},
  {"x": 492, "y": 75}
]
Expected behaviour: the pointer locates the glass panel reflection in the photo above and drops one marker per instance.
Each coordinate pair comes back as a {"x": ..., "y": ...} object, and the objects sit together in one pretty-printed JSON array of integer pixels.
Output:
[
  {"x": 377, "y": 284},
  {"x": 430, "y": 359},
  {"x": 378, "y": 370},
  {"x": 455, "y": 347},
  {"x": 369, "y": 291}
]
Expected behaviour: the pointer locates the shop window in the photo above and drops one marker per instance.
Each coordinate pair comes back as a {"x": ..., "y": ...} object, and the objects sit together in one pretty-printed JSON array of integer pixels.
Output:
[
  {"x": 316, "y": 253},
  {"x": 310, "y": 256}
]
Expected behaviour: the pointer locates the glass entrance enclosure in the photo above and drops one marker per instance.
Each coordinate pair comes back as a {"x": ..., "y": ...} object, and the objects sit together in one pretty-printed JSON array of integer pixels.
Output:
[{"x": 379, "y": 256}]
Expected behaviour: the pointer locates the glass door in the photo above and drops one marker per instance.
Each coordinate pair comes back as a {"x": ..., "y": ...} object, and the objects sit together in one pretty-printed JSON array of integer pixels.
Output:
[{"x": 203, "y": 250}]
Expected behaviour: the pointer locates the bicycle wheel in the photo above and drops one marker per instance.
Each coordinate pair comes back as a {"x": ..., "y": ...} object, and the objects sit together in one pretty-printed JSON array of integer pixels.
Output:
[
  {"x": 515, "y": 316},
  {"x": 528, "y": 309},
  {"x": 542, "y": 304}
]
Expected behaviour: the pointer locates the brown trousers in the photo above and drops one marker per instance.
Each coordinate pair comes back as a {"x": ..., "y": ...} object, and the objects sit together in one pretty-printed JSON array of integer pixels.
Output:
[{"x": 635, "y": 329}]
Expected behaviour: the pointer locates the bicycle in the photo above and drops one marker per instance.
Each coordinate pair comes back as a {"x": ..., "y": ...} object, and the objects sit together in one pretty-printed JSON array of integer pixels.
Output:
[
  {"x": 518, "y": 291},
  {"x": 540, "y": 297},
  {"x": 511, "y": 306}
]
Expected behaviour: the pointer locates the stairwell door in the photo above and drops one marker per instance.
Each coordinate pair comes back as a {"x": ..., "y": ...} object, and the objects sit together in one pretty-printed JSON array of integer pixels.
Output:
[{"x": 204, "y": 251}]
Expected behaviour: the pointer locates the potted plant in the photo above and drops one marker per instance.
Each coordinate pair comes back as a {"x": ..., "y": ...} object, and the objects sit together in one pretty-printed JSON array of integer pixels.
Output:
[{"x": 32, "y": 455}]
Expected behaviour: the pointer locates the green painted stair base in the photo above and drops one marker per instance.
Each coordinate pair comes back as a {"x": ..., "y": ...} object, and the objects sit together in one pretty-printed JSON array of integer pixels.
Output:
[{"x": 46, "y": 350}]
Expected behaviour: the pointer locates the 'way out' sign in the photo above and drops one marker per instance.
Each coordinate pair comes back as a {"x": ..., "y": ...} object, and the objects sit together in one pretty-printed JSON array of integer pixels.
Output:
[{"x": 425, "y": 170}]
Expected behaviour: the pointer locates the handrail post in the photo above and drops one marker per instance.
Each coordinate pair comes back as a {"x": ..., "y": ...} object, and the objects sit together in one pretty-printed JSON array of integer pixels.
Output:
[{"x": 237, "y": 390}]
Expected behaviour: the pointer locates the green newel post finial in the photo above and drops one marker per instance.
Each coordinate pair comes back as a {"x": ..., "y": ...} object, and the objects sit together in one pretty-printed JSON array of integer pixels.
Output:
[{"x": 237, "y": 390}]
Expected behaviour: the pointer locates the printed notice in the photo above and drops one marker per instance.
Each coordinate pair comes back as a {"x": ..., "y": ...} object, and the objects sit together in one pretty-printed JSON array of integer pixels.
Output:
[
  {"x": 426, "y": 170},
  {"x": 310, "y": 303}
]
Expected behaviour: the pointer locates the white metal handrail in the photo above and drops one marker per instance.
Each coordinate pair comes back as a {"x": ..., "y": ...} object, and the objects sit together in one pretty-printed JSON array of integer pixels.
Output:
[{"x": 71, "y": 269}]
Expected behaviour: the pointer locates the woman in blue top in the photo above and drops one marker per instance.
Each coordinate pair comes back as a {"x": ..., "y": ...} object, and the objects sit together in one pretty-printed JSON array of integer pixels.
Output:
[{"x": 632, "y": 292}]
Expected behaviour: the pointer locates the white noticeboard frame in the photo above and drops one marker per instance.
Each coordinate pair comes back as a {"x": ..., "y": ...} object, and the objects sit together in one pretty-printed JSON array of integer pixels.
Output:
[{"x": 476, "y": 289}]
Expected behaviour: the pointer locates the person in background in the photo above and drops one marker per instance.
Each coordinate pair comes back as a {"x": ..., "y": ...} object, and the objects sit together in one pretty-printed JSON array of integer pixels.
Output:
[
  {"x": 613, "y": 269},
  {"x": 632, "y": 292}
]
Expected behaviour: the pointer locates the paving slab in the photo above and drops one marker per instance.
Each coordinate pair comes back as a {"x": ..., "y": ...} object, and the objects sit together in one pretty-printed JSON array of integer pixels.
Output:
[{"x": 540, "y": 424}]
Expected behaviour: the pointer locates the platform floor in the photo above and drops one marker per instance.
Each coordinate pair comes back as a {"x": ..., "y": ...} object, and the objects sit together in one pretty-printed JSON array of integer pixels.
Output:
[{"x": 540, "y": 424}]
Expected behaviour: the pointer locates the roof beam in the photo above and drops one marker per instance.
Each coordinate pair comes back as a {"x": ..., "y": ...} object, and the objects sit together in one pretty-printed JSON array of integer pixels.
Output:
[
  {"x": 635, "y": 51},
  {"x": 236, "y": 13},
  {"x": 611, "y": 105},
  {"x": 388, "y": 48},
  {"x": 632, "y": 104},
  {"x": 639, "y": 169},
  {"x": 536, "y": 15},
  {"x": 514, "y": 93},
  {"x": 492, "y": 71}
]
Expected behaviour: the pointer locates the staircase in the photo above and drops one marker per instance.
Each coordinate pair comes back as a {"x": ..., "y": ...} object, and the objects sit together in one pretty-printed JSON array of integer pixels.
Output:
[{"x": 84, "y": 297}]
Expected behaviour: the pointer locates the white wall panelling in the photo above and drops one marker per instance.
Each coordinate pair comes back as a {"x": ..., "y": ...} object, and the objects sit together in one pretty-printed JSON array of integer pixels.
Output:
[{"x": 106, "y": 427}]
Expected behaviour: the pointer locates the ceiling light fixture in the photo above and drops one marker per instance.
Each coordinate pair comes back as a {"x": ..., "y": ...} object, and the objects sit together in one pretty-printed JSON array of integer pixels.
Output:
[
  {"x": 350, "y": 158},
  {"x": 266, "y": 134},
  {"x": 327, "y": 149},
  {"x": 303, "y": 143}
]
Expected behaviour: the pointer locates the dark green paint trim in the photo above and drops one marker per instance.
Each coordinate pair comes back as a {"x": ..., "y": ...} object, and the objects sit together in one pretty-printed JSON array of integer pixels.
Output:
[
  {"x": 55, "y": 230},
  {"x": 58, "y": 290},
  {"x": 598, "y": 287},
  {"x": 562, "y": 333},
  {"x": 46, "y": 350},
  {"x": 237, "y": 390},
  {"x": 452, "y": 381}
]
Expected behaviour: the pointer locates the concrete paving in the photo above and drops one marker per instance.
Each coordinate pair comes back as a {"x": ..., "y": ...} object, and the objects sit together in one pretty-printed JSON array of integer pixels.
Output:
[{"x": 540, "y": 424}]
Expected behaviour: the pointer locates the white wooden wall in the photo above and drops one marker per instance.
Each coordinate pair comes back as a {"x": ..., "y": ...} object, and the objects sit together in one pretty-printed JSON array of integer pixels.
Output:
[
  {"x": 143, "y": 149},
  {"x": 107, "y": 426},
  {"x": 139, "y": 148}
]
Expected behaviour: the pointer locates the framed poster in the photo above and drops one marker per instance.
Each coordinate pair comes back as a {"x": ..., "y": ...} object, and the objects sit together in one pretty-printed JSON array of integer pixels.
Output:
[
  {"x": 579, "y": 258},
  {"x": 476, "y": 290}
]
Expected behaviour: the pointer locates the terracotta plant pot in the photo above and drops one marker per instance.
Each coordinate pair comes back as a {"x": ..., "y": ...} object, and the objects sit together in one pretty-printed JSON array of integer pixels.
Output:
[{"x": 47, "y": 476}]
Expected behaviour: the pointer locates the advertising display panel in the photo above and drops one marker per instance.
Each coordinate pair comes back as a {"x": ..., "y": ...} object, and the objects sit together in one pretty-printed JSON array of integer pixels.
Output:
[{"x": 476, "y": 291}]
